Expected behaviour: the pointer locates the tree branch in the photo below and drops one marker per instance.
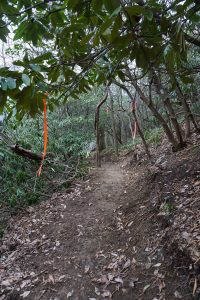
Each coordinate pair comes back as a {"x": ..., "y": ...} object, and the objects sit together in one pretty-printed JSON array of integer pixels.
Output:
[{"x": 192, "y": 40}]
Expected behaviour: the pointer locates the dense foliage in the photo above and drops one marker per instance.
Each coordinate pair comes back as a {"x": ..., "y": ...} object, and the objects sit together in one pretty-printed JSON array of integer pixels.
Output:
[{"x": 81, "y": 43}]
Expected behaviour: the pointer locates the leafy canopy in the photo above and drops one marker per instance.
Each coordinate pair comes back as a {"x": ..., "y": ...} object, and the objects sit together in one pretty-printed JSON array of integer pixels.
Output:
[{"x": 86, "y": 42}]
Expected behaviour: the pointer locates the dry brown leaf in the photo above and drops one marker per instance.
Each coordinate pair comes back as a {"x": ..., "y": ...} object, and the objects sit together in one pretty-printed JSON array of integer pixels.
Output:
[
  {"x": 24, "y": 283},
  {"x": 127, "y": 264},
  {"x": 70, "y": 294},
  {"x": 97, "y": 291},
  {"x": 161, "y": 286},
  {"x": 134, "y": 261},
  {"x": 87, "y": 268},
  {"x": 195, "y": 286},
  {"x": 119, "y": 280},
  {"x": 106, "y": 294},
  {"x": 178, "y": 295},
  {"x": 51, "y": 279},
  {"x": 25, "y": 294}
]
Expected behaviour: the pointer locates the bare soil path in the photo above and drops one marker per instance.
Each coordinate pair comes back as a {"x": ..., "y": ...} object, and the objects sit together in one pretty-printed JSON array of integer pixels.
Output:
[{"x": 94, "y": 243}]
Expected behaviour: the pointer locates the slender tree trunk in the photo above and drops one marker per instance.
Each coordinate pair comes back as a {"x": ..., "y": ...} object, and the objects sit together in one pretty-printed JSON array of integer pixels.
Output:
[
  {"x": 131, "y": 128},
  {"x": 115, "y": 141},
  {"x": 136, "y": 120},
  {"x": 165, "y": 98},
  {"x": 187, "y": 110},
  {"x": 96, "y": 126},
  {"x": 158, "y": 116},
  {"x": 141, "y": 135},
  {"x": 155, "y": 112}
]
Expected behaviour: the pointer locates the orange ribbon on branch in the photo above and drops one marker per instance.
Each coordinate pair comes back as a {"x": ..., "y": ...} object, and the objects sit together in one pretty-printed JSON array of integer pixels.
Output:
[{"x": 45, "y": 134}]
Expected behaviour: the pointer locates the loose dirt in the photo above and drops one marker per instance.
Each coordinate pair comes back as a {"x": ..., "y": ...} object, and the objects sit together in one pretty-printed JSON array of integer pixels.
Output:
[{"x": 98, "y": 242}]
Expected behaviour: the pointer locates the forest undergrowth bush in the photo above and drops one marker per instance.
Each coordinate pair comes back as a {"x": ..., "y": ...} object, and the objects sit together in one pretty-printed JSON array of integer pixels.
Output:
[
  {"x": 20, "y": 185},
  {"x": 154, "y": 136}
]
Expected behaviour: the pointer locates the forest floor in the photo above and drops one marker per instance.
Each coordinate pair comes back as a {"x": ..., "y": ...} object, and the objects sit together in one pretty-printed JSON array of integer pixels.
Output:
[{"x": 105, "y": 239}]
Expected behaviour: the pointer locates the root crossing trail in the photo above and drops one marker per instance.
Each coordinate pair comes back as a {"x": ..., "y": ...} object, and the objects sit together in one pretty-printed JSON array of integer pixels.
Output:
[{"x": 94, "y": 243}]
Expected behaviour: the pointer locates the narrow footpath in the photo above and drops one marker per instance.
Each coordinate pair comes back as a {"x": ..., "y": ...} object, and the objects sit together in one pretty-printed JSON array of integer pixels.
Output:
[{"x": 97, "y": 242}]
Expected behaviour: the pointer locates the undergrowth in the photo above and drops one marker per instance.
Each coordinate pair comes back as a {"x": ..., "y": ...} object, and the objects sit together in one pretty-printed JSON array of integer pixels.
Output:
[
  {"x": 154, "y": 136},
  {"x": 20, "y": 185}
]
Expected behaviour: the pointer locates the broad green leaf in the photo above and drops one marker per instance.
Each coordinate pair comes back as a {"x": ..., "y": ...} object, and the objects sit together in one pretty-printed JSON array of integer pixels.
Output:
[
  {"x": 106, "y": 25},
  {"x": 186, "y": 79},
  {"x": 4, "y": 84},
  {"x": 41, "y": 58},
  {"x": 73, "y": 3},
  {"x": 96, "y": 5},
  {"x": 3, "y": 31},
  {"x": 11, "y": 82},
  {"x": 116, "y": 11},
  {"x": 149, "y": 15},
  {"x": 26, "y": 80},
  {"x": 3, "y": 99},
  {"x": 111, "y": 5},
  {"x": 5, "y": 7},
  {"x": 96, "y": 39},
  {"x": 20, "y": 30},
  {"x": 135, "y": 10},
  {"x": 115, "y": 30},
  {"x": 19, "y": 63},
  {"x": 35, "y": 68}
]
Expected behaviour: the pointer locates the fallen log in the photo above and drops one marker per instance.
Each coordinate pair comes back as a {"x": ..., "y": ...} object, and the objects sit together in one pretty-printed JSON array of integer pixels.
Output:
[{"x": 26, "y": 153}]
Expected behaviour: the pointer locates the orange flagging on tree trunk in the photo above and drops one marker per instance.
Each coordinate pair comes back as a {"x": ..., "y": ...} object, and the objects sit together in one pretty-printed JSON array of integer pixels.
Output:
[{"x": 45, "y": 134}]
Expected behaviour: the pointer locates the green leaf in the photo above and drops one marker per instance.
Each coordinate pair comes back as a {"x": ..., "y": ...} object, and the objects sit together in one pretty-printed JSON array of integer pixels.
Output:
[
  {"x": 121, "y": 75},
  {"x": 96, "y": 5},
  {"x": 111, "y": 5},
  {"x": 106, "y": 25},
  {"x": 20, "y": 31},
  {"x": 117, "y": 25},
  {"x": 135, "y": 10},
  {"x": 41, "y": 58},
  {"x": 96, "y": 40},
  {"x": 3, "y": 99},
  {"x": 7, "y": 8},
  {"x": 26, "y": 80},
  {"x": 31, "y": 30},
  {"x": 149, "y": 15},
  {"x": 141, "y": 59},
  {"x": 186, "y": 79},
  {"x": 116, "y": 11},
  {"x": 3, "y": 31},
  {"x": 11, "y": 83},
  {"x": 73, "y": 3},
  {"x": 35, "y": 68},
  {"x": 54, "y": 74},
  {"x": 19, "y": 63},
  {"x": 4, "y": 84}
]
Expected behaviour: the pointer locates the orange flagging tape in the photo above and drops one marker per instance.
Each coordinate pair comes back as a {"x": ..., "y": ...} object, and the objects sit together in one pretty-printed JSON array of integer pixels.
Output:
[{"x": 45, "y": 135}]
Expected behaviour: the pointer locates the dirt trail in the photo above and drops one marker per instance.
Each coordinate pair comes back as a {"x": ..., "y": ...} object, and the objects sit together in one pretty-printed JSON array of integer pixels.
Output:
[{"x": 95, "y": 243}]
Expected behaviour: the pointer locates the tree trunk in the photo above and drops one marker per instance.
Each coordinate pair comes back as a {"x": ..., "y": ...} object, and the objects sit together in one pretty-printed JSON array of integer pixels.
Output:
[
  {"x": 96, "y": 126},
  {"x": 26, "y": 153},
  {"x": 155, "y": 112},
  {"x": 102, "y": 145},
  {"x": 136, "y": 120},
  {"x": 165, "y": 98},
  {"x": 141, "y": 135},
  {"x": 131, "y": 128},
  {"x": 115, "y": 141},
  {"x": 158, "y": 116},
  {"x": 187, "y": 110}
]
